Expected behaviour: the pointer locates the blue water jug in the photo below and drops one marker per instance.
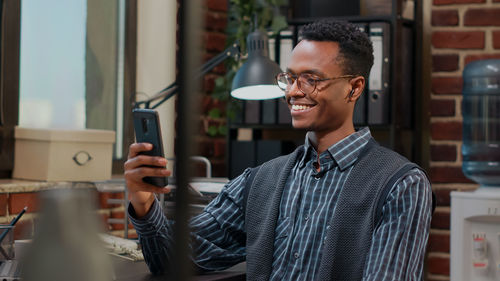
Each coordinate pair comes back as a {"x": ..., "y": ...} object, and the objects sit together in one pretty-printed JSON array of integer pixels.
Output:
[{"x": 481, "y": 122}]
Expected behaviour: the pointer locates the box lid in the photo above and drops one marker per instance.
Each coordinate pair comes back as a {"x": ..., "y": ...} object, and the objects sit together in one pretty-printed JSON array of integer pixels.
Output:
[{"x": 87, "y": 135}]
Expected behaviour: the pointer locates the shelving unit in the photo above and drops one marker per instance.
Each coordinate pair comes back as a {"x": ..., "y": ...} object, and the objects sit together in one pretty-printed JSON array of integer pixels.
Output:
[{"x": 402, "y": 129}]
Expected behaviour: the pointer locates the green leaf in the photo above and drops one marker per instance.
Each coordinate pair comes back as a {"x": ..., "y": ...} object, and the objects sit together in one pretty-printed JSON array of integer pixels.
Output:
[
  {"x": 222, "y": 130},
  {"x": 214, "y": 113},
  {"x": 212, "y": 131},
  {"x": 279, "y": 23}
]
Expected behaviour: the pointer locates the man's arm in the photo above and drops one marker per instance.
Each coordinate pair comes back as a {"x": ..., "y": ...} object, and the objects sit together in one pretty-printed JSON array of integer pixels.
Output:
[
  {"x": 399, "y": 242},
  {"x": 218, "y": 235},
  {"x": 137, "y": 166}
]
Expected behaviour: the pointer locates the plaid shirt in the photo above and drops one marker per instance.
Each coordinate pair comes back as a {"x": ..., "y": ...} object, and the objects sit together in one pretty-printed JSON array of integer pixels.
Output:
[{"x": 309, "y": 197}]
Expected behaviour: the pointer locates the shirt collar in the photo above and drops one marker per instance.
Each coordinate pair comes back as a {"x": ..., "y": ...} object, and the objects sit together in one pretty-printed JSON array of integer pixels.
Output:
[{"x": 345, "y": 152}]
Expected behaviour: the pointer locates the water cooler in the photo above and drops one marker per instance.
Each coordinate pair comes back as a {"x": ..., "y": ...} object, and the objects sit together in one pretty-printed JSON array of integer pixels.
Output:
[{"x": 475, "y": 216}]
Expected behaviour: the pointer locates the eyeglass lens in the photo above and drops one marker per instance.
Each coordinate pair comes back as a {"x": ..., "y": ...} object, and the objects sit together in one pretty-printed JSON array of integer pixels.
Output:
[{"x": 306, "y": 83}]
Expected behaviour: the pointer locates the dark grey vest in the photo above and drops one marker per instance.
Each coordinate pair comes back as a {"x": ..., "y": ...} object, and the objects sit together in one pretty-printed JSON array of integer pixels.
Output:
[{"x": 355, "y": 217}]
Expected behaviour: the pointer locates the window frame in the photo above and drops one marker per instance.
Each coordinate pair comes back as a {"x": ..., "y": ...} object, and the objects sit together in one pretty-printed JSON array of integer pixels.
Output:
[{"x": 10, "y": 32}]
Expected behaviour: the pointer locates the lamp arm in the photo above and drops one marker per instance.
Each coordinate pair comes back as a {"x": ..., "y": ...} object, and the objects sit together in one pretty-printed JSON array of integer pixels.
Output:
[{"x": 171, "y": 90}]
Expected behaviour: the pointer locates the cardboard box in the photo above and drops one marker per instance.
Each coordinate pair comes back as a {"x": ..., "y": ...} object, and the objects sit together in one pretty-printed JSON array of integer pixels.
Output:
[{"x": 63, "y": 155}]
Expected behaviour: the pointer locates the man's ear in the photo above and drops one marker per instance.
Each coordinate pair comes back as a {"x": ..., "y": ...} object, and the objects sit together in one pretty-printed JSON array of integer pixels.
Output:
[{"x": 357, "y": 87}]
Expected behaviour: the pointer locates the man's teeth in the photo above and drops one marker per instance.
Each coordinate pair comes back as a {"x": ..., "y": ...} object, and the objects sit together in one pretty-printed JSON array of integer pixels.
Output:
[{"x": 300, "y": 107}]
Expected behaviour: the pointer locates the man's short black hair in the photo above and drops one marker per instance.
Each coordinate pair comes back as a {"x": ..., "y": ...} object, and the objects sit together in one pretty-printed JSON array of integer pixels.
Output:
[{"x": 355, "y": 48}]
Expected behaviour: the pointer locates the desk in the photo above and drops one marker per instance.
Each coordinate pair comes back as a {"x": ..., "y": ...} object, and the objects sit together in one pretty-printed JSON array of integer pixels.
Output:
[{"x": 126, "y": 270}]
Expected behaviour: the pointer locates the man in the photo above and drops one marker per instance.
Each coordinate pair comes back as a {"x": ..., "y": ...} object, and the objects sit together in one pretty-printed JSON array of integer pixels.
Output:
[{"x": 338, "y": 208}]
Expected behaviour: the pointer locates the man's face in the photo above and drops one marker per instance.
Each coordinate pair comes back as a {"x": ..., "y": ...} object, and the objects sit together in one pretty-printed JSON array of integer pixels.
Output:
[{"x": 327, "y": 108}]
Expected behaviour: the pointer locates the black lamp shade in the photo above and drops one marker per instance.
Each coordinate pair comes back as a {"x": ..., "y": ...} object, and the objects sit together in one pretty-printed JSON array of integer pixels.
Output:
[{"x": 255, "y": 80}]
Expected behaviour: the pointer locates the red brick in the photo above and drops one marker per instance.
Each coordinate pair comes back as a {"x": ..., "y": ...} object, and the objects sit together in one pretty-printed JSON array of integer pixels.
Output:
[
  {"x": 217, "y": 5},
  {"x": 220, "y": 147},
  {"x": 103, "y": 199},
  {"x": 443, "y": 153},
  {"x": 444, "y": 18},
  {"x": 215, "y": 41},
  {"x": 443, "y": 196},
  {"x": 442, "y": 107},
  {"x": 208, "y": 103},
  {"x": 215, "y": 21},
  {"x": 438, "y": 265},
  {"x": 23, "y": 229},
  {"x": 440, "y": 220},
  {"x": 209, "y": 82},
  {"x": 444, "y": 62},
  {"x": 448, "y": 2},
  {"x": 212, "y": 147},
  {"x": 458, "y": 39},
  {"x": 219, "y": 167},
  {"x": 3, "y": 205},
  {"x": 17, "y": 201},
  {"x": 471, "y": 58},
  {"x": 446, "y": 130},
  {"x": 447, "y": 85},
  {"x": 220, "y": 68},
  {"x": 118, "y": 215},
  {"x": 496, "y": 39},
  {"x": 482, "y": 17},
  {"x": 448, "y": 175},
  {"x": 439, "y": 242}
]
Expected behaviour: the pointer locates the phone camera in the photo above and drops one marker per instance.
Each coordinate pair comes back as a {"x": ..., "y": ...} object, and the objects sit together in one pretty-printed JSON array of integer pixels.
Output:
[{"x": 145, "y": 125}]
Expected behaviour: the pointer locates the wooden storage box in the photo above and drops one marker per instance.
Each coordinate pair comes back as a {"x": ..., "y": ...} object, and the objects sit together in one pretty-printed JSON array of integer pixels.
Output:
[{"x": 63, "y": 155}]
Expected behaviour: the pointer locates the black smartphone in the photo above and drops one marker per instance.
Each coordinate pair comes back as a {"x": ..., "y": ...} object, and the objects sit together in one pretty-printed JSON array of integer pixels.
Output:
[{"x": 147, "y": 129}]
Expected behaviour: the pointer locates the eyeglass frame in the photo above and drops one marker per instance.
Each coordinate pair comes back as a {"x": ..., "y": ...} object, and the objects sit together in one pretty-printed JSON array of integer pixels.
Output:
[{"x": 296, "y": 77}]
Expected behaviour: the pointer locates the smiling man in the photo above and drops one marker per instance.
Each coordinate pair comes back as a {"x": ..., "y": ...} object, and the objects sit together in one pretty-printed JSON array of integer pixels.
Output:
[{"x": 340, "y": 207}]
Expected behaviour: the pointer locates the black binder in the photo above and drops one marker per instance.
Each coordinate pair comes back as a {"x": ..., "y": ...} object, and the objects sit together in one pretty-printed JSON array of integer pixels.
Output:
[{"x": 378, "y": 82}]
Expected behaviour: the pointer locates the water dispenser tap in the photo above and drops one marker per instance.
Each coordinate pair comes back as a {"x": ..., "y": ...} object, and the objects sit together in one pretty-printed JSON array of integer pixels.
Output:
[{"x": 480, "y": 250}]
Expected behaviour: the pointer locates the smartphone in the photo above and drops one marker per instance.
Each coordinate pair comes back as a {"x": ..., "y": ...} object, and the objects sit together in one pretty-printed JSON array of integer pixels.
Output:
[{"x": 147, "y": 129}]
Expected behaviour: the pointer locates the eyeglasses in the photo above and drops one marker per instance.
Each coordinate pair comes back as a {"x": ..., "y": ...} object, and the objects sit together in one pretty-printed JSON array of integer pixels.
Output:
[{"x": 306, "y": 82}]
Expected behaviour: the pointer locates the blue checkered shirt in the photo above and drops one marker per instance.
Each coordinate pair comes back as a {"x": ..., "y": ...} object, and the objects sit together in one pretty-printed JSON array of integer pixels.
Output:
[{"x": 308, "y": 200}]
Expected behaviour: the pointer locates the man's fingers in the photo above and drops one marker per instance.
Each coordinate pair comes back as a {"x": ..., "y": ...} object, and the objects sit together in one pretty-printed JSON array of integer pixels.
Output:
[
  {"x": 137, "y": 148},
  {"x": 137, "y": 174},
  {"x": 142, "y": 160}
]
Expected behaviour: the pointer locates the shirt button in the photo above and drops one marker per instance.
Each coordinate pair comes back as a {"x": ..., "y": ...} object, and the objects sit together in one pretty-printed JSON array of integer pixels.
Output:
[
  {"x": 327, "y": 227},
  {"x": 306, "y": 218},
  {"x": 296, "y": 255}
]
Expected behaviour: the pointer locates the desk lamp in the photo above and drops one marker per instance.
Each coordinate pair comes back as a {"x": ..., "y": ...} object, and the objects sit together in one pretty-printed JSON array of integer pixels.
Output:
[{"x": 255, "y": 80}]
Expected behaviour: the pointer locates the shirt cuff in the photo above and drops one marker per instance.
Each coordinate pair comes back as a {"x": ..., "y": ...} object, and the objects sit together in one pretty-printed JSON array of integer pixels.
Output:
[{"x": 149, "y": 224}]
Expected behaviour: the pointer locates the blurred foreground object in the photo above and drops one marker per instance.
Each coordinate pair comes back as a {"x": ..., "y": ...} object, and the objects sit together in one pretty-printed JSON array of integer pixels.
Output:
[{"x": 66, "y": 245}]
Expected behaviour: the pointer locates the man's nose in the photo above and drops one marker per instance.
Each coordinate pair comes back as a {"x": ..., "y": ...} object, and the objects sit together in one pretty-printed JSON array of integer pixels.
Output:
[{"x": 294, "y": 90}]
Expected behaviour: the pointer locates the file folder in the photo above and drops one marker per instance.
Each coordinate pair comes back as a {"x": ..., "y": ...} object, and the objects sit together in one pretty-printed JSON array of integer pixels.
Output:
[
  {"x": 269, "y": 112},
  {"x": 252, "y": 112},
  {"x": 286, "y": 47},
  {"x": 359, "y": 116},
  {"x": 378, "y": 82},
  {"x": 242, "y": 156}
]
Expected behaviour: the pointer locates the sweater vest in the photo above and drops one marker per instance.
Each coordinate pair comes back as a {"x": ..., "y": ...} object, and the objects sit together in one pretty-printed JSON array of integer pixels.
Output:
[{"x": 356, "y": 215}]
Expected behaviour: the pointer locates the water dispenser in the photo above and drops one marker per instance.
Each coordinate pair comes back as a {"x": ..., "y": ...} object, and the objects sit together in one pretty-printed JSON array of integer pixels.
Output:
[{"x": 475, "y": 216}]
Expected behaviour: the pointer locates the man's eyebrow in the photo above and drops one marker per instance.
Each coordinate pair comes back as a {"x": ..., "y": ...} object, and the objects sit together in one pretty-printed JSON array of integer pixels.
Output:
[{"x": 310, "y": 71}]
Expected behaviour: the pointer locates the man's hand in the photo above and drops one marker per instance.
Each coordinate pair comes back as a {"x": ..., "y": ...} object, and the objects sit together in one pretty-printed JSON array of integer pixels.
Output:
[{"x": 141, "y": 194}]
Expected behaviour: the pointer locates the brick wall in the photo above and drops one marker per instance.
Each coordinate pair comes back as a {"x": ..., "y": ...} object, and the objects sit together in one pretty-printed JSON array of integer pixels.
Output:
[
  {"x": 214, "y": 39},
  {"x": 12, "y": 203},
  {"x": 461, "y": 31}
]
